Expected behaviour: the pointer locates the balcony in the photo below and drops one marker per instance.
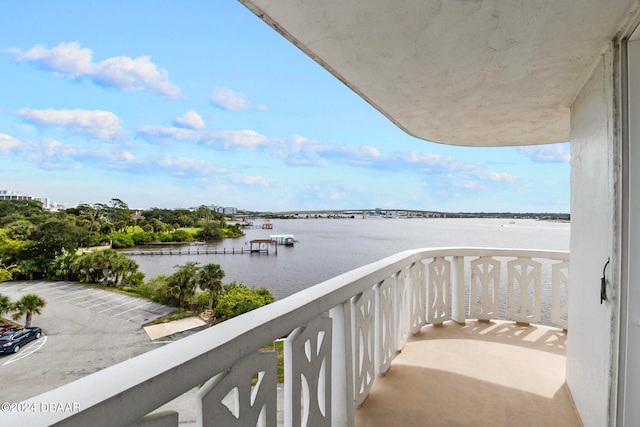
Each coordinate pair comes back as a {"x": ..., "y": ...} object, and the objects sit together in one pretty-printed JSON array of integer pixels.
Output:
[{"x": 342, "y": 337}]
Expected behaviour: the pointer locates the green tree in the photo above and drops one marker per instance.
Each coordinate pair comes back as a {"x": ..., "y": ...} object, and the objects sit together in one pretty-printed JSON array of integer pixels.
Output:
[
  {"x": 123, "y": 267},
  {"x": 28, "y": 268},
  {"x": 32, "y": 210},
  {"x": 54, "y": 235},
  {"x": 210, "y": 279},
  {"x": 239, "y": 299},
  {"x": 104, "y": 261},
  {"x": 181, "y": 236},
  {"x": 5, "y": 305},
  {"x": 210, "y": 231},
  {"x": 204, "y": 213},
  {"x": 6, "y": 272},
  {"x": 62, "y": 265},
  {"x": 182, "y": 283},
  {"x": 20, "y": 229},
  {"x": 82, "y": 266},
  {"x": 89, "y": 213},
  {"x": 27, "y": 306},
  {"x": 11, "y": 249}
]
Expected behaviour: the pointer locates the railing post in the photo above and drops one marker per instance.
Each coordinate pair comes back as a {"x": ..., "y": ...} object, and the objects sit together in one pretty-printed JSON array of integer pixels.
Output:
[
  {"x": 342, "y": 397},
  {"x": 457, "y": 290}
]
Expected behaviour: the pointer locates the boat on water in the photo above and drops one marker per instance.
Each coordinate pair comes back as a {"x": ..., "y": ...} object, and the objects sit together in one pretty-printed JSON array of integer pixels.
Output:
[{"x": 283, "y": 239}]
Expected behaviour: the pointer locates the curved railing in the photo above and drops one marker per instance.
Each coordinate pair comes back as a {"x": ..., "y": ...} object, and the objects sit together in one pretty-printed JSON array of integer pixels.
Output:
[{"x": 340, "y": 334}]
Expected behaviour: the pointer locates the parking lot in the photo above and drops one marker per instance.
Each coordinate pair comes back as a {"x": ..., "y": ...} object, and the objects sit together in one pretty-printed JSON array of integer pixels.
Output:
[{"x": 85, "y": 330}]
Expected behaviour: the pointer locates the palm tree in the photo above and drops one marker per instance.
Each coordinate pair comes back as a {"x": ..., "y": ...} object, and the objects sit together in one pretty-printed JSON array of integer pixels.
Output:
[
  {"x": 82, "y": 266},
  {"x": 183, "y": 282},
  {"x": 104, "y": 260},
  {"x": 5, "y": 305},
  {"x": 123, "y": 267},
  {"x": 210, "y": 279},
  {"x": 62, "y": 265},
  {"x": 28, "y": 267},
  {"x": 28, "y": 305}
]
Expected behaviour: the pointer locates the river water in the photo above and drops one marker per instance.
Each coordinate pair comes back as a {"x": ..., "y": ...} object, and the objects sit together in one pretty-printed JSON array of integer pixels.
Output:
[{"x": 328, "y": 247}]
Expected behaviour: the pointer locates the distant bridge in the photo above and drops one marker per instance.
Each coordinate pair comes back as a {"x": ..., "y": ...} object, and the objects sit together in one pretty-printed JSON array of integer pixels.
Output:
[{"x": 388, "y": 213}]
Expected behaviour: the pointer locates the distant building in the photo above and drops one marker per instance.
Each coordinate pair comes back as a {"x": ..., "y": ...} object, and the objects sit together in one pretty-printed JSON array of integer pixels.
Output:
[
  {"x": 13, "y": 195},
  {"x": 230, "y": 211},
  {"x": 46, "y": 203}
]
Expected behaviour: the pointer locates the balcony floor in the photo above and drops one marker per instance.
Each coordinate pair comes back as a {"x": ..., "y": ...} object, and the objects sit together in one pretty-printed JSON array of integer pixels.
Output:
[{"x": 480, "y": 374}]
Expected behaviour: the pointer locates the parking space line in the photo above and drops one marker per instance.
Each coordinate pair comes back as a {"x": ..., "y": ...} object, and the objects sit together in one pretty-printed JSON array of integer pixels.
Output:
[
  {"x": 106, "y": 302},
  {"x": 54, "y": 291},
  {"x": 134, "y": 308},
  {"x": 75, "y": 297},
  {"x": 26, "y": 353},
  {"x": 119, "y": 305},
  {"x": 39, "y": 284}
]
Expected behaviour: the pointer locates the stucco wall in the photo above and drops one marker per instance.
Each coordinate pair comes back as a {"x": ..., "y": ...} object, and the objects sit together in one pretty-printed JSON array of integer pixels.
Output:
[
  {"x": 630, "y": 313},
  {"x": 593, "y": 216}
]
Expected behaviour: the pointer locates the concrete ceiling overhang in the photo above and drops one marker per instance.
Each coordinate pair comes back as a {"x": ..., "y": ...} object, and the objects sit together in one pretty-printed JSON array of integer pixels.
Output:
[{"x": 460, "y": 72}]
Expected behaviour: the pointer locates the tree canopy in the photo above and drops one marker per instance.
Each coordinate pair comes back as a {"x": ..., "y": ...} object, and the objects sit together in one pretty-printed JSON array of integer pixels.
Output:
[{"x": 36, "y": 243}]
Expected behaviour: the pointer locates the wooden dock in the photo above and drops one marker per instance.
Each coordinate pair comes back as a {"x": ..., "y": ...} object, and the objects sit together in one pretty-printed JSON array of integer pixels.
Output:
[{"x": 260, "y": 246}]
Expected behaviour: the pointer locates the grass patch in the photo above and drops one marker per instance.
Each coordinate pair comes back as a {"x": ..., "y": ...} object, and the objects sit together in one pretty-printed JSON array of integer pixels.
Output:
[
  {"x": 278, "y": 347},
  {"x": 177, "y": 314},
  {"x": 191, "y": 230}
]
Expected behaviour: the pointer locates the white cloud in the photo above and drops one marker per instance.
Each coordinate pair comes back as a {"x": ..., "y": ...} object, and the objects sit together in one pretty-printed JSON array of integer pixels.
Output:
[
  {"x": 122, "y": 72},
  {"x": 102, "y": 125},
  {"x": 8, "y": 143},
  {"x": 498, "y": 176},
  {"x": 253, "y": 180},
  {"x": 189, "y": 120},
  {"x": 184, "y": 166},
  {"x": 218, "y": 140},
  {"x": 230, "y": 100},
  {"x": 300, "y": 151},
  {"x": 167, "y": 134},
  {"x": 552, "y": 153},
  {"x": 470, "y": 185},
  {"x": 57, "y": 155},
  {"x": 237, "y": 140}
]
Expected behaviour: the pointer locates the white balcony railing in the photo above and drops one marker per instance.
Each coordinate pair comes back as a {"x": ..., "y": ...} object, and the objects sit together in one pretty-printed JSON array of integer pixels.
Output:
[{"x": 340, "y": 335}]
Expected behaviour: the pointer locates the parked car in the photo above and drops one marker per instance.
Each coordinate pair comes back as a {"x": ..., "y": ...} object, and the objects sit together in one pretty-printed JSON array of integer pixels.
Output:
[
  {"x": 8, "y": 328},
  {"x": 11, "y": 342}
]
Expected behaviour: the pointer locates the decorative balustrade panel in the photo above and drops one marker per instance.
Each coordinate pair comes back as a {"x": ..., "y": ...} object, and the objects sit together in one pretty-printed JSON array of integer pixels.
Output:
[
  {"x": 330, "y": 363},
  {"x": 523, "y": 290},
  {"x": 560, "y": 293},
  {"x": 403, "y": 308},
  {"x": 439, "y": 291},
  {"x": 307, "y": 355},
  {"x": 484, "y": 301},
  {"x": 231, "y": 398},
  {"x": 364, "y": 342},
  {"x": 385, "y": 319},
  {"x": 418, "y": 299}
]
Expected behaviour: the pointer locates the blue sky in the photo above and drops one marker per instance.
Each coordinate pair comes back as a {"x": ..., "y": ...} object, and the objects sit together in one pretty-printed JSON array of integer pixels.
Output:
[{"x": 179, "y": 104}]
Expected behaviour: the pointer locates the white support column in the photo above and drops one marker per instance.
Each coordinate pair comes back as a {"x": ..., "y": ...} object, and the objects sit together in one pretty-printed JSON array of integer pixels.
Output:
[
  {"x": 457, "y": 290},
  {"x": 342, "y": 400}
]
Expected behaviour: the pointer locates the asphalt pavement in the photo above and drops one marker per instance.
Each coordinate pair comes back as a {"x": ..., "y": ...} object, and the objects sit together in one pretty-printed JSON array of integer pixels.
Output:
[{"x": 85, "y": 330}]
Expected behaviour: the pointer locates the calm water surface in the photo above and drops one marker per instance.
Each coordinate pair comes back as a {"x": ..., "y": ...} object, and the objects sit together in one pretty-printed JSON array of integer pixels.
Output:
[{"x": 328, "y": 247}]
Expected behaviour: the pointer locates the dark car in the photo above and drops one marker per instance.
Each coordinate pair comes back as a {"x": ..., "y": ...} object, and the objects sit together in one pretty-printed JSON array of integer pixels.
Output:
[
  {"x": 10, "y": 342},
  {"x": 6, "y": 329}
]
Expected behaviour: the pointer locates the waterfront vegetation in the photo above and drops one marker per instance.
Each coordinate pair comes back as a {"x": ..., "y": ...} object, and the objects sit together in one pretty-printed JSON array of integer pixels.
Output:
[
  {"x": 39, "y": 244},
  {"x": 78, "y": 245}
]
